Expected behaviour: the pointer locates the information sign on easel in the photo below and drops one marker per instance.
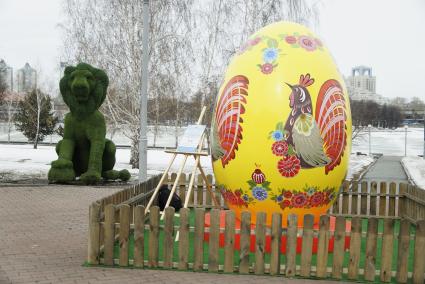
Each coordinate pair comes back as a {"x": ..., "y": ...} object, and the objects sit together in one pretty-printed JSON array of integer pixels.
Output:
[
  {"x": 190, "y": 145},
  {"x": 191, "y": 138}
]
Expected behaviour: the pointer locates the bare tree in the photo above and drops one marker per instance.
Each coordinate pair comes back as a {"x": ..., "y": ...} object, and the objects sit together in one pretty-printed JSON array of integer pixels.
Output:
[
  {"x": 302, "y": 11},
  {"x": 3, "y": 89},
  {"x": 10, "y": 104},
  {"x": 190, "y": 45},
  {"x": 108, "y": 34}
]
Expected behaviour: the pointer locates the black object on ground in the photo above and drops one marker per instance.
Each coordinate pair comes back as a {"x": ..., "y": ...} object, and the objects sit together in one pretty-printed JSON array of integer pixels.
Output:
[{"x": 164, "y": 193}]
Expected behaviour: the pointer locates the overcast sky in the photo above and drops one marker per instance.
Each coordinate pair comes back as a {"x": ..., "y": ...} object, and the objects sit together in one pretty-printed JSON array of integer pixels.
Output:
[{"x": 387, "y": 35}]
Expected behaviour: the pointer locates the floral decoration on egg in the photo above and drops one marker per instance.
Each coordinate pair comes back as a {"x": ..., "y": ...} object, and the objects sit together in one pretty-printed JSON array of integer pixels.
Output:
[
  {"x": 270, "y": 55},
  {"x": 249, "y": 44},
  {"x": 258, "y": 185},
  {"x": 308, "y": 197},
  {"x": 308, "y": 42}
]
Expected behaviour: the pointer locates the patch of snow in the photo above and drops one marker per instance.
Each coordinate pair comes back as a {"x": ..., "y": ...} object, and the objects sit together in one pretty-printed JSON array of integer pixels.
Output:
[
  {"x": 415, "y": 169},
  {"x": 385, "y": 141},
  {"x": 390, "y": 142},
  {"x": 20, "y": 162},
  {"x": 357, "y": 164}
]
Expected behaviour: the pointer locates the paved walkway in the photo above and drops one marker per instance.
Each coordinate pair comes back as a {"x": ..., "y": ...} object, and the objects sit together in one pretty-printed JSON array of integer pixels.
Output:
[
  {"x": 43, "y": 239},
  {"x": 387, "y": 168}
]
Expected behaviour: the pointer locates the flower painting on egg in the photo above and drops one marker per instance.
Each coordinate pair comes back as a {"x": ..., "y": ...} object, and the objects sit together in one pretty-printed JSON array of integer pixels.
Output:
[{"x": 281, "y": 126}]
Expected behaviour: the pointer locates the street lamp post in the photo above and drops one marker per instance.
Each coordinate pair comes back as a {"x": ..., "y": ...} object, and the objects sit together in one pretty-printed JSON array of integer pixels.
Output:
[
  {"x": 405, "y": 140},
  {"x": 143, "y": 139},
  {"x": 370, "y": 145}
]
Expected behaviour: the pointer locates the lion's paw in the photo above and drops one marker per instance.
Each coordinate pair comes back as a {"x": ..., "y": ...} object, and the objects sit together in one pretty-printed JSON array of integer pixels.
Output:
[
  {"x": 62, "y": 164},
  {"x": 61, "y": 174},
  {"x": 125, "y": 175},
  {"x": 90, "y": 177}
]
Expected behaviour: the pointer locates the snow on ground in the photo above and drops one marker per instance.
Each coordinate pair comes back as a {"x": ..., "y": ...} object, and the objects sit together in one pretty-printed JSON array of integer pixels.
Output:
[
  {"x": 384, "y": 141},
  {"x": 358, "y": 163},
  {"x": 415, "y": 169},
  {"x": 165, "y": 136},
  {"x": 391, "y": 142},
  {"x": 22, "y": 162}
]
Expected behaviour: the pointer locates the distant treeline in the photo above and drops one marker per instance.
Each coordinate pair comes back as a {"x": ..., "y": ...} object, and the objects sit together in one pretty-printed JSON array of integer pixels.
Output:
[
  {"x": 163, "y": 110},
  {"x": 369, "y": 112}
]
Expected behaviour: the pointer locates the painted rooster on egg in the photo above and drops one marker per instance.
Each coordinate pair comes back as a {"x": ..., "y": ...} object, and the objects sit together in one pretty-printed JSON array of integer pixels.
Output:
[{"x": 316, "y": 141}]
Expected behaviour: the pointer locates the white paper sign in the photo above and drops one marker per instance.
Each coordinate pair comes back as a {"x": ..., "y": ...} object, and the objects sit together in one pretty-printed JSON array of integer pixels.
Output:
[{"x": 191, "y": 138}]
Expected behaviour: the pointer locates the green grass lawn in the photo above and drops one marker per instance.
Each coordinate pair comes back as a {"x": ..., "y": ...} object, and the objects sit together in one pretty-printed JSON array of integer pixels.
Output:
[{"x": 267, "y": 256}]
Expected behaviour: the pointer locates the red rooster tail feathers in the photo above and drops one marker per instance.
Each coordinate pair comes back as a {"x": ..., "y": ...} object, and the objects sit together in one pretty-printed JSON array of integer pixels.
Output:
[
  {"x": 228, "y": 118},
  {"x": 331, "y": 115}
]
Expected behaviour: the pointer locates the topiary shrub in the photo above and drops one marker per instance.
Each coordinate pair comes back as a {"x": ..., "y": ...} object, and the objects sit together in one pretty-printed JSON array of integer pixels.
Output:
[{"x": 84, "y": 151}]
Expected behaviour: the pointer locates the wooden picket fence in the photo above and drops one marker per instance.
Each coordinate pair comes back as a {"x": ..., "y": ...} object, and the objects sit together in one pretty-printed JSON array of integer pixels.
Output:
[
  {"x": 380, "y": 199},
  {"x": 122, "y": 215}
]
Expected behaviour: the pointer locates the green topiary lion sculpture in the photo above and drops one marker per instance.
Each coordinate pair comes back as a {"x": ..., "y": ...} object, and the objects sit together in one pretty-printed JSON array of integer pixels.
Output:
[{"x": 84, "y": 151}]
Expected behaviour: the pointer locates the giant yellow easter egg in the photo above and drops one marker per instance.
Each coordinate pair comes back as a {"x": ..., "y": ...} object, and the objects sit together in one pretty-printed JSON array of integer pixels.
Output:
[{"x": 281, "y": 128}]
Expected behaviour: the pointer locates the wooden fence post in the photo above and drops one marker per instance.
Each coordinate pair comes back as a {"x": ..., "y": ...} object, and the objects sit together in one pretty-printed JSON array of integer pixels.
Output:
[
  {"x": 322, "y": 247},
  {"x": 391, "y": 207},
  {"x": 307, "y": 245},
  {"x": 208, "y": 199},
  {"x": 94, "y": 232},
  {"x": 373, "y": 198},
  {"x": 153, "y": 236},
  {"x": 182, "y": 187},
  {"x": 109, "y": 234},
  {"x": 245, "y": 233},
  {"x": 217, "y": 192},
  {"x": 364, "y": 199},
  {"x": 355, "y": 245},
  {"x": 276, "y": 236},
  {"x": 383, "y": 199},
  {"x": 172, "y": 179},
  {"x": 370, "y": 262},
  {"x": 345, "y": 197},
  {"x": 198, "y": 263},
  {"x": 260, "y": 242},
  {"x": 403, "y": 251},
  {"x": 139, "y": 236},
  {"x": 200, "y": 191},
  {"x": 339, "y": 242},
  {"x": 410, "y": 204},
  {"x": 184, "y": 239},
  {"x": 214, "y": 240},
  {"x": 291, "y": 245},
  {"x": 402, "y": 200},
  {"x": 229, "y": 239},
  {"x": 354, "y": 198},
  {"x": 168, "y": 237},
  {"x": 420, "y": 203},
  {"x": 124, "y": 233},
  {"x": 419, "y": 260},
  {"x": 387, "y": 250}
]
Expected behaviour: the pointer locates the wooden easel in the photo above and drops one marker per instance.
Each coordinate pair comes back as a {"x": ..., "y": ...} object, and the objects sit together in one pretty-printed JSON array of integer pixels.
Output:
[{"x": 197, "y": 155}]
